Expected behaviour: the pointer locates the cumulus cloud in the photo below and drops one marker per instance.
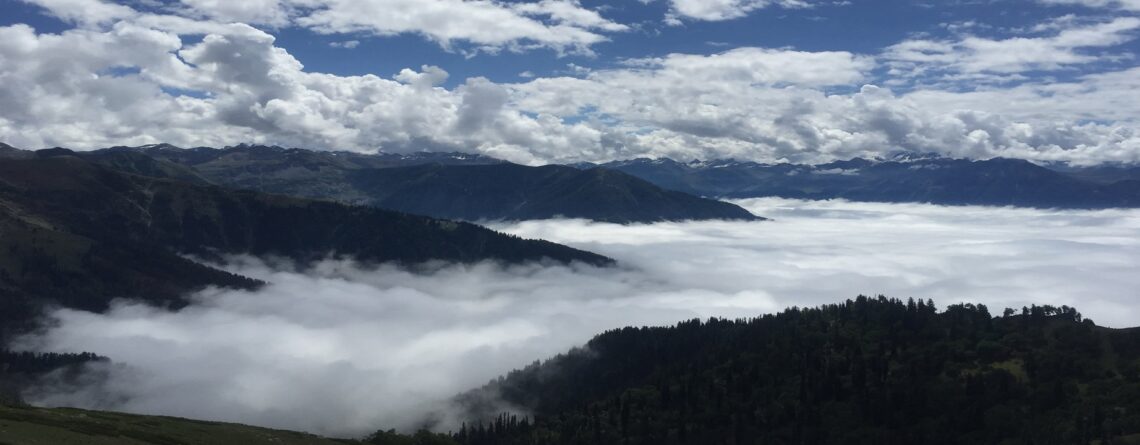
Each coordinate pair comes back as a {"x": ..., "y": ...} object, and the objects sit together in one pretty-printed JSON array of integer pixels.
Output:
[
  {"x": 486, "y": 25},
  {"x": 132, "y": 79},
  {"x": 562, "y": 25},
  {"x": 739, "y": 109},
  {"x": 344, "y": 349}
]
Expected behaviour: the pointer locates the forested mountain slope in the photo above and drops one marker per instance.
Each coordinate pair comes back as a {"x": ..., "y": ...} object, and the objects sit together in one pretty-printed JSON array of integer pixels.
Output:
[
  {"x": 80, "y": 234},
  {"x": 869, "y": 371}
]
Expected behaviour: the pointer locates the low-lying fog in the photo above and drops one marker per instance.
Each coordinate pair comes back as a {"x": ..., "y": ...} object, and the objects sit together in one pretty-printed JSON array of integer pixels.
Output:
[{"x": 344, "y": 350}]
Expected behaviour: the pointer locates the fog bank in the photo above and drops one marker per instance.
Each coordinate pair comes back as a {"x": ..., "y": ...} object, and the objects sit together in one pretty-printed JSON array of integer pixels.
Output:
[{"x": 344, "y": 349}]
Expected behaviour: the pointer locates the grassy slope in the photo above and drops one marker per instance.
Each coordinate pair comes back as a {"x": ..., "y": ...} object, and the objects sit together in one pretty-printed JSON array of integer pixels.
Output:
[{"x": 37, "y": 426}]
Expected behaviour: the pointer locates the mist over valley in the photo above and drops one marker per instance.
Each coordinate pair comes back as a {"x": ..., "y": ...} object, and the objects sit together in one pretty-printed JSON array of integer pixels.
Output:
[{"x": 341, "y": 349}]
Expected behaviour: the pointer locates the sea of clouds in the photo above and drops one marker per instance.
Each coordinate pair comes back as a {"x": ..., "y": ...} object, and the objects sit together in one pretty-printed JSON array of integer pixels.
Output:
[{"x": 343, "y": 349}]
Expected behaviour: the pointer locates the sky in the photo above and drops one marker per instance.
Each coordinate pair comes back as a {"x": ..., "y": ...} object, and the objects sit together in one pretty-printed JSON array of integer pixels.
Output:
[
  {"x": 344, "y": 349},
  {"x": 558, "y": 81}
]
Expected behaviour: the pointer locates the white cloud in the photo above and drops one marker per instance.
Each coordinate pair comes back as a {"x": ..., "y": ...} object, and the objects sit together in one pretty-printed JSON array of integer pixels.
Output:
[
  {"x": 751, "y": 66},
  {"x": 429, "y": 76},
  {"x": 562, "y": 25},
  {"x": 262, "y": 12},
  {"x": 737, "y": 108},
  {"x": 485, "y": 25},
  {"x": 344, "y": 349},
  {"x": 973, "y": 54},
  {"x": 137, "y": 82},
  {"x": 1128, "y": 5},
  {"x": 85, "y": 12},
  {"x": 347, "y": 44},
  {"x": 716, "y": 10},
  {"x": 569, "y": 12}
]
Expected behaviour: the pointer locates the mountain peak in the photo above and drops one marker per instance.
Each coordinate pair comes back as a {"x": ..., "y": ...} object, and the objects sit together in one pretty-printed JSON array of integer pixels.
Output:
[
  {"x": 162, "y": 146},
  {"x": 10, "y": 152},
  {"x": 245, "y": 146},
  {"x": 53, "y": 152},
  {"x": 911, "y": 156}
]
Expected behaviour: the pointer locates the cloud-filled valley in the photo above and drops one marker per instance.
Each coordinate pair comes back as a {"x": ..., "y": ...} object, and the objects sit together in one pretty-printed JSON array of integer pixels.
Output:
[
  {"x": 345, "y": 349},
  {"x": 336, "y": 122}
]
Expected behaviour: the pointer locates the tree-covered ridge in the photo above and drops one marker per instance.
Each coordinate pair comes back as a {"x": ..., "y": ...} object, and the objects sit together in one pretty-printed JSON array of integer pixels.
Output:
[
  {"x": 868, "y": 371},
  {"x": 19, "y": 369}
]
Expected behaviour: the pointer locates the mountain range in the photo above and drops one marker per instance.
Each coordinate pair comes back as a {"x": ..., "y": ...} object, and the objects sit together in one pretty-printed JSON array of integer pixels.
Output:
[
  {"x": 907, "y": 178},
  {"x": 476, "y": 187},
  {"x": 79, "y": 229},
  {"x": 443, "y": 185}
]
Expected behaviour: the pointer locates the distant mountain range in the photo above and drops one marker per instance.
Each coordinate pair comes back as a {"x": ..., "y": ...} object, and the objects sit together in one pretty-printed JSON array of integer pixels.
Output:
[
  {"x": 475, "y": 187},
  {"x": 444, "y": 185},
  {"x": 910, "y": 178},
  {"x": 79, "y": 234}
]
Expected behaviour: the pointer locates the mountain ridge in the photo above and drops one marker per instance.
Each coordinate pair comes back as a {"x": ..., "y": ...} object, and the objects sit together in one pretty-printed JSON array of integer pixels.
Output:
[
  {"x": 425, "y": 183},
  {"x": 916, "y": 178},
  {"x": 473, "y": 192}
]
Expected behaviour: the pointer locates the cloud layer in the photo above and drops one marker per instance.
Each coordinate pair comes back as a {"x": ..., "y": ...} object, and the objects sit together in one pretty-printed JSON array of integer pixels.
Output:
[
  {"x": 189, "y": 75},
  {"x": 972, "y": 55},
  {"x": 477, "y": 25},
  {"x": 345, "y": 349}
]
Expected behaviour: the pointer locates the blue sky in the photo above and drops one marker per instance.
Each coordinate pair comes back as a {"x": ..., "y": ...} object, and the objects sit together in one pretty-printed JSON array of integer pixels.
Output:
[{"x": 568, "y": 80}]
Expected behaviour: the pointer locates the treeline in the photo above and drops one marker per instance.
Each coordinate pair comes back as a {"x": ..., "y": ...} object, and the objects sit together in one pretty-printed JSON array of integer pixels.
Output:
[
  {"x": 21, "y": 368},
  {"x": 867, "y": 371}
]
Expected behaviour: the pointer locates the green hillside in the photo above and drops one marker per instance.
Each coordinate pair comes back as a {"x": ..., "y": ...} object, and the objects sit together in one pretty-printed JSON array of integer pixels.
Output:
[{"x": 64, "y": 426}]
